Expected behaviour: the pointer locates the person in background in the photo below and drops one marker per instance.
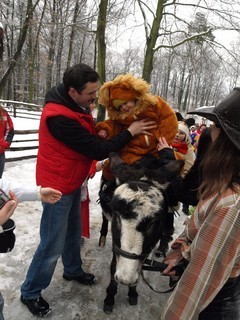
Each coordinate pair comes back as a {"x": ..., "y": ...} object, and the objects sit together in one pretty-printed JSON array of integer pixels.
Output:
[
  {"x": 85, "y": 199},
  {"x": 203, "y": 127},
  {"x": 181, "y": 149},
  {"x": 194, "y": 136},
  {"x": 6, "y": 136},
  {"x": 185, "y": 189},
  {"x": 68, "y": 144},
  {"x": 19, "y": 193},
  {"x": 209, "y": 288},
  {"x": 188, "y": 156}
]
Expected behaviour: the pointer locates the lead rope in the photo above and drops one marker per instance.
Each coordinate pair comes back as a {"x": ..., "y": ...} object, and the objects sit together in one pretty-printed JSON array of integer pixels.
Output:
[{"x": 157, "y": 291}]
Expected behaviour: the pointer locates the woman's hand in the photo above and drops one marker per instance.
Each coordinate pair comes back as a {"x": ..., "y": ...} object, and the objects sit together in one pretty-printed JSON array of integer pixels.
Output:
[
  {"x": 102, "y": 134},
  {"x": 142, "y": 127},
  {"x": 182, "y": 244},
  {"x": 9, "y": 208},
  {"x": 162, "y": 143},
  {"x": 50, "y": 195},
  {"x": 171, "y": 263}
]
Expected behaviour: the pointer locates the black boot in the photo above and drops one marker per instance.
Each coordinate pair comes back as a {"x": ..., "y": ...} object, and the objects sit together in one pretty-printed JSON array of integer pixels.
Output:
[{"x": 39, "y": 307}]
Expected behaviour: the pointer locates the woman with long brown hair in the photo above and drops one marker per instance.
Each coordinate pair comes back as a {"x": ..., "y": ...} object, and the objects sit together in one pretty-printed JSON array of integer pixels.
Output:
[{"x": 209, "y": 288}]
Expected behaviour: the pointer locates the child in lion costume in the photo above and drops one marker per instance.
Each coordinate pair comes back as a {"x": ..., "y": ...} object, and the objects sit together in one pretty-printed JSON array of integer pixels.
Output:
[{"x": 126, "y": 99}]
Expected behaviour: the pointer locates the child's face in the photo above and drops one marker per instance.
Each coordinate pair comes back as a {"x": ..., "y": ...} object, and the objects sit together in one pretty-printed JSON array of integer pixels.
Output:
[
  {"x": 180, "y": 136},
  {"x": 127, "y": 106}
]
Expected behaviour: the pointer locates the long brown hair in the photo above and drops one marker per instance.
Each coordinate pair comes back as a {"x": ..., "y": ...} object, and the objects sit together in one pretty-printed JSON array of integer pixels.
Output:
[{"x": 221, "y": 167}]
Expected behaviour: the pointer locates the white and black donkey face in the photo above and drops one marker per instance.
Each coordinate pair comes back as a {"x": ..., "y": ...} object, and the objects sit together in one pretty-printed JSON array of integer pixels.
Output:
[
  {"x": 136, "y": 226},
  {"x": 138, "y": 208}
]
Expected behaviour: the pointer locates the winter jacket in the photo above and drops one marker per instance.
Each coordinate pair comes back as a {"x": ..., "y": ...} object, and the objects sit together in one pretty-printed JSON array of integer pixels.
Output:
[
  {"x": 6, "y": 130},
  {"x": 58, "y": 166}
]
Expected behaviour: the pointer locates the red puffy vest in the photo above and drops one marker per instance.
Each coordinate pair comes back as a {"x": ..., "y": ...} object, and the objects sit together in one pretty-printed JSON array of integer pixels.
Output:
[{"x": 58, "y": 166}]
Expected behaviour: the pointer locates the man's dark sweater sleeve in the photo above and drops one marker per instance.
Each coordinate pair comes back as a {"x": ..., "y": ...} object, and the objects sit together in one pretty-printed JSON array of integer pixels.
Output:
[{"x": 76, "y": 137}]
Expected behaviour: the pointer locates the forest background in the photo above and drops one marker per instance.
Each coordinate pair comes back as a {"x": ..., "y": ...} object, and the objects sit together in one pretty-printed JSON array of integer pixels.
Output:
[{"x": 179, "y": 46}]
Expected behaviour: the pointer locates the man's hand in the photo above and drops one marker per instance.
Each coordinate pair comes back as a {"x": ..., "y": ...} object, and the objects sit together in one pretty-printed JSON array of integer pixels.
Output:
[
  {"x": 142, "y": 127},
  {"x": 102, "y": 134}
]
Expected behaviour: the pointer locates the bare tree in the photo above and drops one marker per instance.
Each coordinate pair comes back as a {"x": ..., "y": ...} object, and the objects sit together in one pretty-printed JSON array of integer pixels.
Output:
[
  {"x": 167, "y": 22},
  {"x": 22, "y": 37}
]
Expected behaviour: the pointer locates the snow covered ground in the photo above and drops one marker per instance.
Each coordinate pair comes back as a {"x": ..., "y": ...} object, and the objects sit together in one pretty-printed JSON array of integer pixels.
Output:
[{"x": 70, "y": 300}]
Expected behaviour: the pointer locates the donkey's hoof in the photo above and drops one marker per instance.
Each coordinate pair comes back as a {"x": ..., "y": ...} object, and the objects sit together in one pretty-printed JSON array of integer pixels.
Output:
[
  {"x": 133, "y": 301},
  {"x": 102, "y": 241},
  {"x": 107, "y": 309}
]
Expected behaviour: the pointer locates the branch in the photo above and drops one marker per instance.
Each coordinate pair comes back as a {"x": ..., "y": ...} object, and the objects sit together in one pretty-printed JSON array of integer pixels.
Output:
[{"x": 184, "y": 40}]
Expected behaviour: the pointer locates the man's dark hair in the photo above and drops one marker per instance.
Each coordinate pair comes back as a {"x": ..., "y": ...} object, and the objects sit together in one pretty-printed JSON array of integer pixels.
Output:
[{"x": 78, "y": 75}]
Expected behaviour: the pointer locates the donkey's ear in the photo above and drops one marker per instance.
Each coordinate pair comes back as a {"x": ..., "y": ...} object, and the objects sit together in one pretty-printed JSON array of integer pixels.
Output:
[
  {"x": 114, "y": 160},
  {"x": 119, "y": 168},
  {"x": 172, "y": 169}
]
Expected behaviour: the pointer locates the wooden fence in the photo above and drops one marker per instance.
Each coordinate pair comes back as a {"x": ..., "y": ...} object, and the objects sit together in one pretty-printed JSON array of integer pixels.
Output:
[
  {"x": 22, "y": 138},
  {"x": 22, "y": 148}
]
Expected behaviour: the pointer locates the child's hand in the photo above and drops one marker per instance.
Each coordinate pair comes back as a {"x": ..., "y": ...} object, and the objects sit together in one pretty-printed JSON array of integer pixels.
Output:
[
  {"x": 100, "y": 165},
  {"x": 50, "y": 195},
  {"x": 162, "y": 143},
  {"x": 103, "y": 134}
]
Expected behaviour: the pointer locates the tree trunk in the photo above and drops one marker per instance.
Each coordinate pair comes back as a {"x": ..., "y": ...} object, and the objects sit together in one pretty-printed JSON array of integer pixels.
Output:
[
  {"x": 151, "y": 42},
  {"x": 30, "y": 60},
  {"x": 1, "y": 42},
  {"x": 51, "y": 50},
  {"x": 101, "y": 58},
  {"x": 72, "y": 35}
]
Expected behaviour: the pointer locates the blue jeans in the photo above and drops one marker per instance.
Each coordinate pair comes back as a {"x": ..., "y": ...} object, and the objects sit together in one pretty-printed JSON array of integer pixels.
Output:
[
  {"x": 226, "y": 304},
  {"x": 1, "y": 307},
  {"x": 60, "y": 233}
]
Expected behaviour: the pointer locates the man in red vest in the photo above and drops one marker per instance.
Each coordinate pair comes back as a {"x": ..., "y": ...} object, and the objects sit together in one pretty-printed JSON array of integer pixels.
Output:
[{"x": 67, "y": 146}]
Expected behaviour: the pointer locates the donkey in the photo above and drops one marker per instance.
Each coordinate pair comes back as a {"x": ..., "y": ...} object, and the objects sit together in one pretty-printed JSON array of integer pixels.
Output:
[{"x": 137, "y": 209}]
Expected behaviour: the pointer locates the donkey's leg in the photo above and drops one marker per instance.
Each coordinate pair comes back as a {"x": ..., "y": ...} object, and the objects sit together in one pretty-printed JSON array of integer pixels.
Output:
[
  {"x": 166, "y": 235},
  {"x": 132, "y": 295},
  {"x": 111, "y": 289},
  {"x": 103, "y": 231}
]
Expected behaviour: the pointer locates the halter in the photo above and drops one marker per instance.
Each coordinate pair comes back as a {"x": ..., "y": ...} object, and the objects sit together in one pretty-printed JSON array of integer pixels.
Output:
[
  {"x": 148, "y": 264},
  {"x": 128, "y": 255}
]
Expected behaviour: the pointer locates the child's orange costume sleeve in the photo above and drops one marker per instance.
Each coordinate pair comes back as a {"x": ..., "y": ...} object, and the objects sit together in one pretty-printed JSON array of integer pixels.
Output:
[{"x": 111, "y": 127}]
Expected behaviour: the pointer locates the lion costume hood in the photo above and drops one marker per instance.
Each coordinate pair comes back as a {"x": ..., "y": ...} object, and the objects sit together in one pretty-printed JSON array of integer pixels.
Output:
[{"x": 124, "y": 88}]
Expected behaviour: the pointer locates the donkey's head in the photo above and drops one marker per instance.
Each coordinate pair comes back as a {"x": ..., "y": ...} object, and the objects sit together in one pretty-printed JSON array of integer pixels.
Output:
[{"x": 139, "y": 207}]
